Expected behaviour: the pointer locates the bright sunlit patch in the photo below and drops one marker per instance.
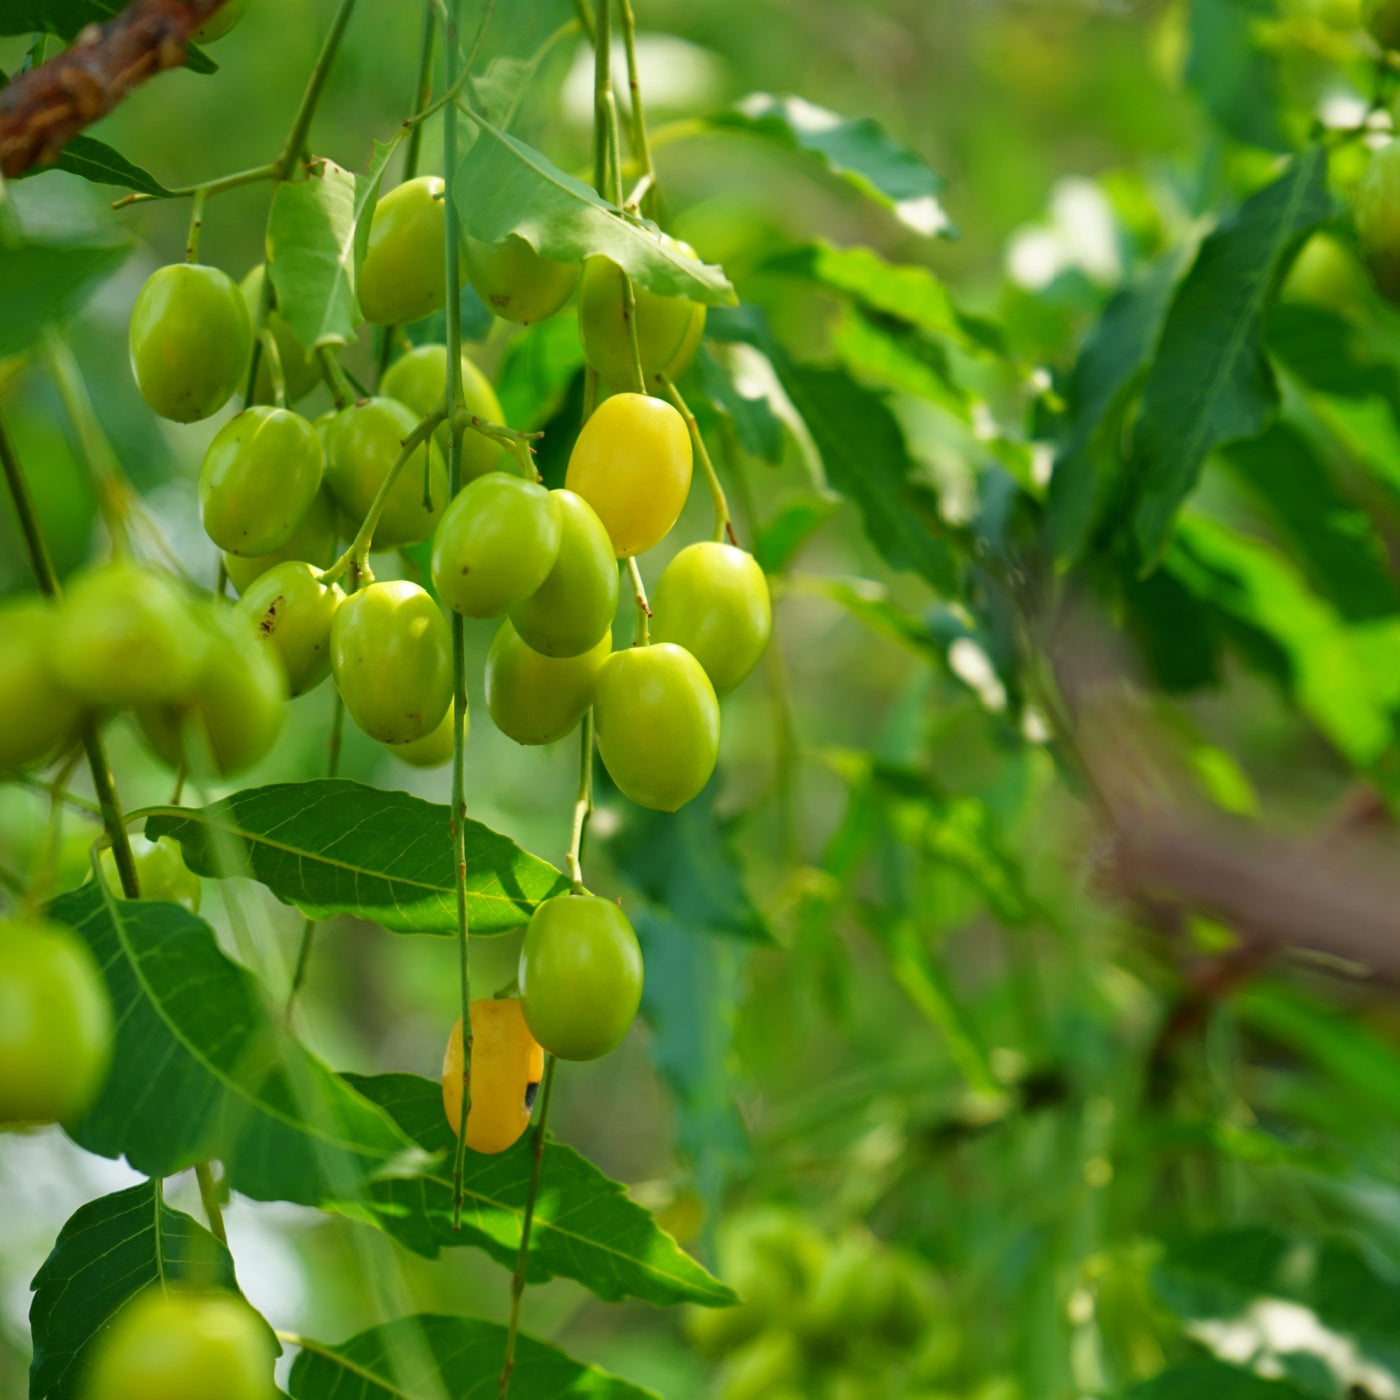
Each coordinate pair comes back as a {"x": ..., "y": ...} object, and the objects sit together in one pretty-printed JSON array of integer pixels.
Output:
[
  {"x": 973, "y": 667},
  {"x": 1034, "y": 258},
  {"x": 924, "y": 215},
  {"x": 804, "y": 115},
  {"x": 1083, "y": 217},
  {"x": 676, "y": 76},
  {"x": 1342, "y": 109}
]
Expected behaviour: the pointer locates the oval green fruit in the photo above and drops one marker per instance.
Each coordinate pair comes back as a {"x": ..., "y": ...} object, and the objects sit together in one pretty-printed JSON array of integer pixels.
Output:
[
  {"x": 235, "y": 712},
  {"x": 37, "y": 714},
  {"x": 292, "y": 611},
  {"x": 391, "y": 653},
  {"x": 658, "y": 724},
  {"x": 125, "y": 636},
  {"x": 632, "y": 464},
  {"x": 495, "y": 545},
  {"x": 312, "y": 541},
  {"x": 403, "y": 277},
  {"x": 515, "y": 281},
  {"x": 362, "y": 445},
  {"x": 713, "y": 600},
  {"x": 1377, "y": 216},
  {"x": 432, "y": 750},
  {"x": 161, "y": 872},
  {"x": 663, "y": 324},
  {"x": 189, "y": 338},
  {"x": 260, "y": 475},
  {"x": 55, "y": 1024},
  {"x": 300, "y": 371},
  {"x": 182, "y": 1346},
  {"x": 536, "y": 699},
  {"x": 223, "y": 19},
  {"x": 580, "y": 976},
  {"x": 573, "y": 609},
  {"x": 419, "y": 381}
]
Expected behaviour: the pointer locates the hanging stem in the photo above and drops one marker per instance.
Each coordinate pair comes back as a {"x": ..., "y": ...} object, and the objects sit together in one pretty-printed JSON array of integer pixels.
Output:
[
  {"x": 641, "y": 635},
  {"x": 47, "y": 580},
  {"x": 301, "y": 123},
  {"x": 583, "y": 807},
  {"x": 641, "y": 147},
  {"x": 196, "y": 226},
  {"x": 342, "y": 391},
  {"x": 209, "y": 1195},
  {"x": 517, "y": 1282},
  {"x": 724, "y": 524}
]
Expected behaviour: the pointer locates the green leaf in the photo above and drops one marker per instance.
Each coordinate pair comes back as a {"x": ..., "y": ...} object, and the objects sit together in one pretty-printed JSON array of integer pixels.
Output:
[
  {"x": 44, "y": 283},
  {"x": 316, "y": 236},
  {"x": 1214, "y": 1379},
  {"x": 539, "y": 365},
  {"x": 431, "y": 1357},
  {"x": 586, "y": 1227},
  {"x": 109, "y": 1250},
  {"x": 504, "y": 186},
  {"x": 1211, "y": 383},
  {"x": 1237, "y": 80},
  {"x": 97, "y": 162},
  {"x": 757, "y": 427},
  {"x": 860, "y": 152},
  {"x": 336, "y": 847},
  {"x": 1260, "y": 588},
  {"x": 784, "y": 535},
  {"x": 1229, "y": 1281},
  {"x": 67, "y": 18},
  {"x": 201, "y": 1070},
  {"x": 892, "y": 356}
]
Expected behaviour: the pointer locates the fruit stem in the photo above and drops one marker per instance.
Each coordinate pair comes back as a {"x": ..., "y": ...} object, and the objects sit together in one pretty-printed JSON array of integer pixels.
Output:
[
  {"x": 452, "y": 57},
  {"x": 356, "y": 557},
  {"x": 342, "y": 391},
  {"x": 209, "y": 1195},
  {"x": 583, "y": 807},
  {"x": 641, "y": 636},
  {"x": 56, "y": 791},
  {"x": 47, "y": 580},
  {"x": 274, "y": 367},
  {"x": 196, "y": 226},
  {"x": 517, "y": 1282},
  {"x": 724, "y": 524},
  {"x": 301, "y": 124},
  {"x": 646, "y": 193}
]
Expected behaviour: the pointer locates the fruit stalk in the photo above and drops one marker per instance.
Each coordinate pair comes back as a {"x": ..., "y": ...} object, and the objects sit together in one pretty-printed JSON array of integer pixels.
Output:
[
  {"x": 209, "y": 1196},
  {"x": 47, "y": 580},
  {"x": 583, "y": 807},
  {"x": 517, "y": 1282},
  {"x": 724, "y": 524},
  {"x": 646, "y": 192}
]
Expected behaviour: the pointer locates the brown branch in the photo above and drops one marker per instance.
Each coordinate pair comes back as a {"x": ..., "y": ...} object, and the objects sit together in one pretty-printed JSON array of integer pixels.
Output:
[{"x": 42, "y": 110}]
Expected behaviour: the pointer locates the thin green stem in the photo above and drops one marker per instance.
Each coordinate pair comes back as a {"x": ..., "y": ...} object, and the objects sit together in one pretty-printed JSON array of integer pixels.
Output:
[
  {"x": 517, "y": 1282},
  {"x": 459, "y": 646},
  {"x": 724, "y": 524},
  {"x": 196, "y": 227},
  {"x": 342, "y": 391},
  {"x": 55, "y": 791},
  {"x": 209, "y": 1196},
  {"x": 301, "y": 123},
  {"x": 583, "y": 805},
  {"x": 641, "y": 147},
  {"x": 274, "y": 367},
  {"x": 641, "y": 635},
  {"x": 44, "y": 574},
  {"x": 209, "y": 187}
]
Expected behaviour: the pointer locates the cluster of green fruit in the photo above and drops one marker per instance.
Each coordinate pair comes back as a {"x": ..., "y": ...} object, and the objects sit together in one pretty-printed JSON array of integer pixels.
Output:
[{"x": 848, "y": 1318}]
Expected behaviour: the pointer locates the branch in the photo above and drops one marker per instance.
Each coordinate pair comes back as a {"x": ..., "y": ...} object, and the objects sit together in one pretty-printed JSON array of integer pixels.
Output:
[{"x": 42, "y": 110}]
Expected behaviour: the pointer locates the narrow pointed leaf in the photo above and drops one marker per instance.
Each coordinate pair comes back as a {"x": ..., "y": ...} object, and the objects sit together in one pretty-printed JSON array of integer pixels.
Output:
[
  {"x": 585, "y": 1228},
  {"x": 337, "y": 847},
  {"x": 860, "y": 152},
  {"x": 97, "y": 162},
  {"x": 432, "y": 1357},
  {"x": 1211, "y": 383},
  {"x": 201, "y": 1070},
  {"x": 504, "y": 186},
  {"x": 109, "y": 1250}
]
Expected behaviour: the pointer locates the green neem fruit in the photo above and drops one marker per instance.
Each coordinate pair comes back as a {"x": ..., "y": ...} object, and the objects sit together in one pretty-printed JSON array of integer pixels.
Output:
[
  {"x": 259, "y": 477},
  {"x": 391, "y": 652},
  {"x": 573, "y": 609},
  {"x": 235, "y": 712},
  {"x": 419, "y": 380},
  {"x": 363, "y": 443},
  {"x": 658, "y": 724},
  {"x": 1377, "y": 213},
  {"x": 432, "y": 750},
  {"x": 125, "y": 636},
  {"x": 663, "y": 325},
  {"x": 300, "y": 371},
  {"x": 536, "y": 699},
  {"x": 36, "y": 713},
  {"x": 55, "y": 1024},
  {"x": 190, "y": 337},
  {"x": 496, "y": 544},
  {"x": 580, "y": 976},
  {"x": 161, "y": 872},
  {"x": 515, "y": 281},
  {"x": 313, "y": 541},
  {"x": 712, "y": 599},
  {"x": 292, "y": 611},
  {"x": 223, "y": 20},
  {"x": 183, "y": 1346},
  {"x": 402, "y": 278}
]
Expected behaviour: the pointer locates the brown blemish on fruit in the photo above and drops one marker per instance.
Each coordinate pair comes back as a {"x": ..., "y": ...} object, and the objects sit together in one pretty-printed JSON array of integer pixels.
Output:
[{"x": 267, "y": 623}]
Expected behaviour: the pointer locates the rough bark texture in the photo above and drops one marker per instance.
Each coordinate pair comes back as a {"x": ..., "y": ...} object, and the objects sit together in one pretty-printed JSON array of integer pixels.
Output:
[{"x": 42, "y": 110}]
